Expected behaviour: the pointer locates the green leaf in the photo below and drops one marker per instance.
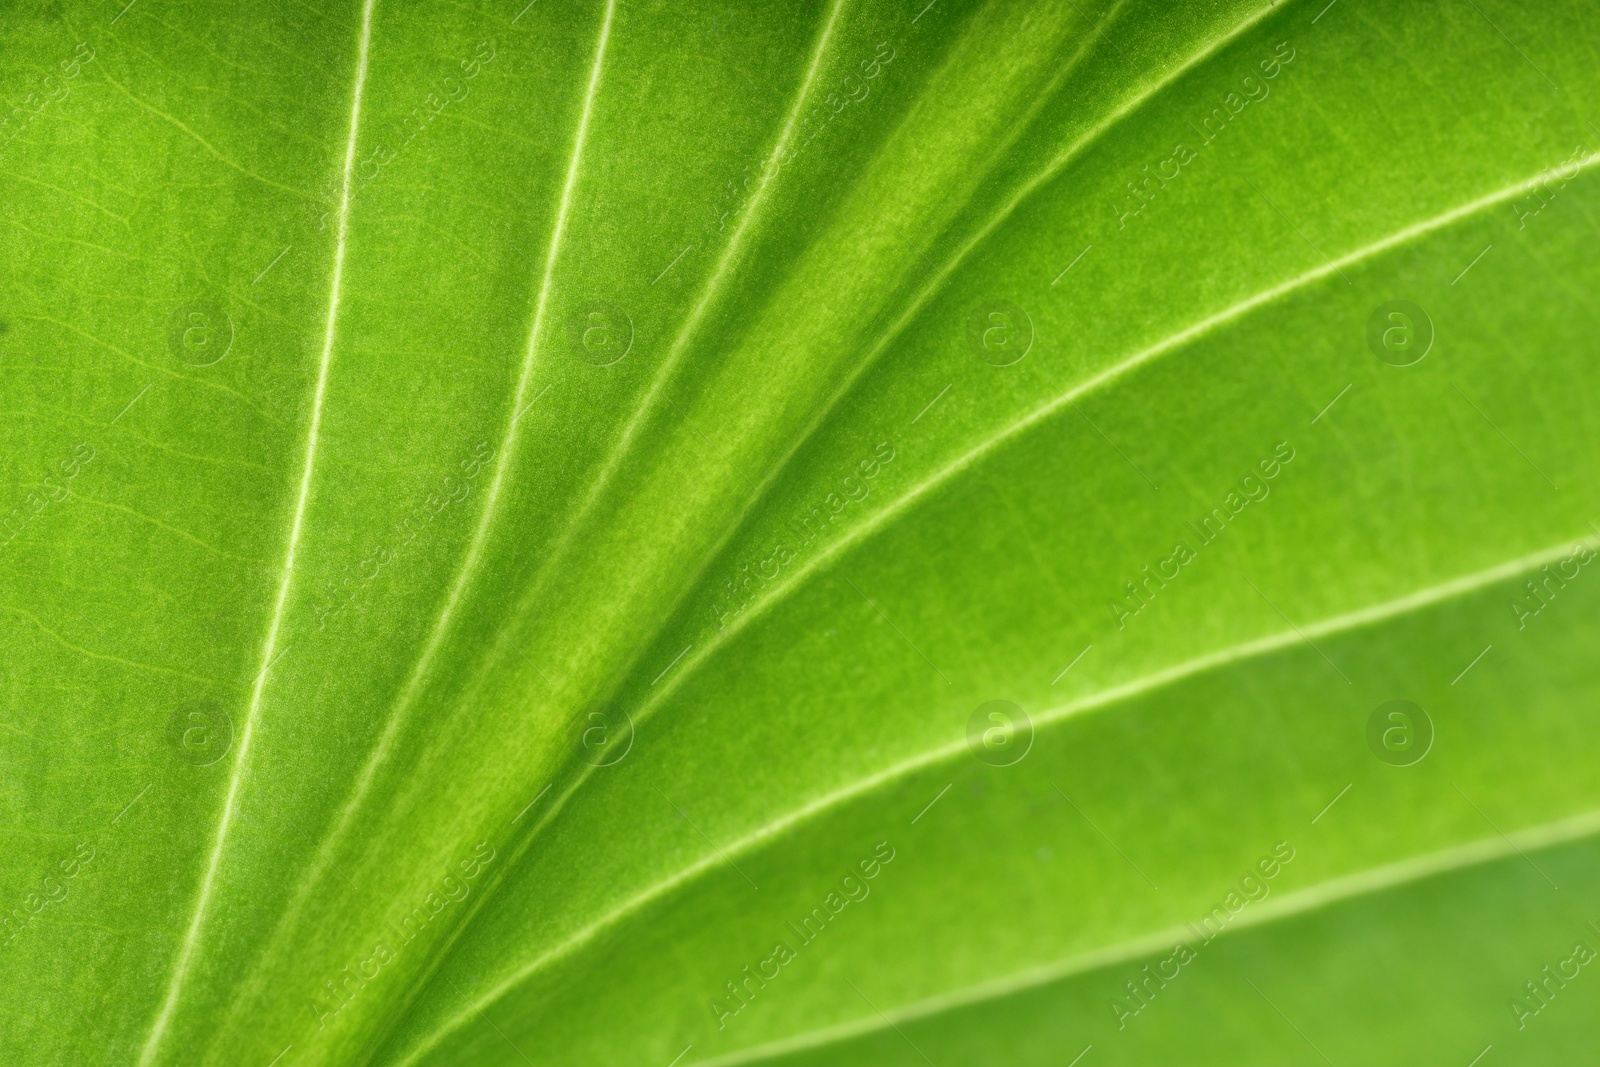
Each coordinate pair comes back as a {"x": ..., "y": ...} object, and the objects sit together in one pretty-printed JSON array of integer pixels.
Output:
[{"x": 815, "y": 532}]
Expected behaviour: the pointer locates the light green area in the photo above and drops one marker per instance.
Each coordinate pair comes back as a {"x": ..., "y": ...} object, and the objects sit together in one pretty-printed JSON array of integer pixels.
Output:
[{"x": 511, "y": 507}]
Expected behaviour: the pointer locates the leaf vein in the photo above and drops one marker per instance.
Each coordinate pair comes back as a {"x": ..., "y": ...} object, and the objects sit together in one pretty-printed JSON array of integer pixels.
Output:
[
  {"x": 1370, "y": 882},
  {"x": 957, "y": 749},
  {"x": 269, "y": 652},
  {"x": 899, "y": 506}
]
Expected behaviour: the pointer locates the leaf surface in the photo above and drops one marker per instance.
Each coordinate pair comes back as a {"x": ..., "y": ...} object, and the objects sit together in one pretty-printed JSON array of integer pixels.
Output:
[{"x": 521, "y": 514}]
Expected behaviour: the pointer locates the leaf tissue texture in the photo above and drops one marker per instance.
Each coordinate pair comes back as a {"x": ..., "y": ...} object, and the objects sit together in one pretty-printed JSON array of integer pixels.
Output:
[{"x": 827, "y": 532}]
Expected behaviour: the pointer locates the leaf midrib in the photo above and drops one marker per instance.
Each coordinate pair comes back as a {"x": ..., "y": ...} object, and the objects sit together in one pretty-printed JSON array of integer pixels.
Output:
[{"x": 1345, "y": 623}]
